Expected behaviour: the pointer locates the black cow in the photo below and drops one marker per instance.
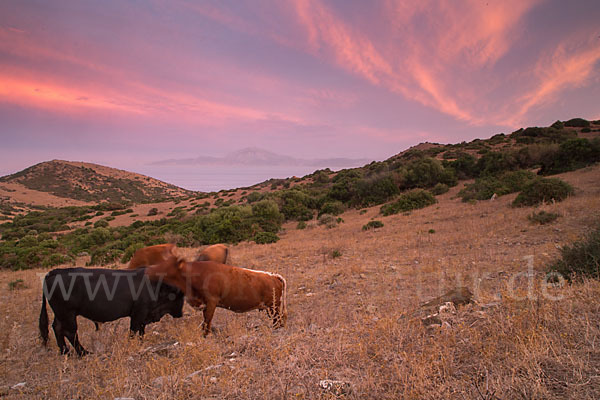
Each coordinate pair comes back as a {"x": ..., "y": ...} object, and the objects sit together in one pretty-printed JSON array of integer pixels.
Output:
[{"x": 103, "y": 295}]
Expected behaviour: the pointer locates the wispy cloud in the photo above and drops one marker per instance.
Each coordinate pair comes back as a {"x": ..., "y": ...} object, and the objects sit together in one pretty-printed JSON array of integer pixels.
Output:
[{"x": 570, "y": 66}]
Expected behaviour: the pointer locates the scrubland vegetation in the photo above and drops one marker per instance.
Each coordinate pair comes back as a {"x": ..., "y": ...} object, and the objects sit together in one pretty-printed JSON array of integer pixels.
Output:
[
  {"x": 500, "y": 165},
  {"x": 361, "y": 249}
]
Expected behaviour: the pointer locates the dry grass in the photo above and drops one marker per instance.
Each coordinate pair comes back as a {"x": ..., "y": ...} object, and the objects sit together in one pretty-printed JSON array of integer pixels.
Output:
[{"x": 355, "y": 317}]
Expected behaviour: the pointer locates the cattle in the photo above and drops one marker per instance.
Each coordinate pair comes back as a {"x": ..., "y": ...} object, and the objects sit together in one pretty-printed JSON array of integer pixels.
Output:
[
  {"x": 151, "y": 255},
  {"x": 103, "y": 295},
  {"x": 211, "y": 284},
  {"x": 216, "y": 252}
]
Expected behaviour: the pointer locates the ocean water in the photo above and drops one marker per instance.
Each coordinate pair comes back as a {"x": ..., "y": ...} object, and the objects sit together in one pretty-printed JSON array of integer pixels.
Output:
[{"x": 215, "y": 178}]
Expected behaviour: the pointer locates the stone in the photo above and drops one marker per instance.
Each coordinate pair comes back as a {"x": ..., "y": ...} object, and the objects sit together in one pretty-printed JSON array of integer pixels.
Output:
[{"x": 335, "y": 387}]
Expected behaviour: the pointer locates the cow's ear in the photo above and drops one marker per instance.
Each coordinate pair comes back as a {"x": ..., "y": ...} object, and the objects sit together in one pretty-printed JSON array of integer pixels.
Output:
[{"x": 180, "y": 264}]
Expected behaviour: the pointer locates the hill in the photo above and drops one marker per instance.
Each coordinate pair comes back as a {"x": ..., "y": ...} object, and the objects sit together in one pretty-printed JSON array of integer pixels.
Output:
[
  {"x": 81, "y": 182},
  {"x": 352, "y": 300}
]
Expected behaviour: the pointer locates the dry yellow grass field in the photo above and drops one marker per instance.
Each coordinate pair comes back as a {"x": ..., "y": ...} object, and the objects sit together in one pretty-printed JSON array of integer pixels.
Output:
[{"x": 355, "y": 317}]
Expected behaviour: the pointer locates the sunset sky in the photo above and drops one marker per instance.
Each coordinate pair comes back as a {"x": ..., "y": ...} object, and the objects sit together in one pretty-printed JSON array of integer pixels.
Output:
[{"x": 126, "y": 82}]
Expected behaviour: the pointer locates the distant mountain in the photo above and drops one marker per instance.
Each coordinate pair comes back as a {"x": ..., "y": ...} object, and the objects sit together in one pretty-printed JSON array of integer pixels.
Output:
[
  {"x": 91, "y": 183},
  {"x": 254, "y": 156}
]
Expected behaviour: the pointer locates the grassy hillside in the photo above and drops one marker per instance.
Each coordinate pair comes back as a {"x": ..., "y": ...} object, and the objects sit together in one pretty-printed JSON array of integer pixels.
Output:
[
  {"x": 354, "y": 301},
  {"x": 90, "y": 182},
  {"x": 500, "y": 165}
]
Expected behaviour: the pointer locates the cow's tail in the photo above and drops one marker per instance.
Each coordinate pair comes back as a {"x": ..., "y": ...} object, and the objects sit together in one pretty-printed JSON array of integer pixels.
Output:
[
  {"x": 282, "y": 300},
  {"x": 44, "y": 319},
  {"x": 226, "y": 255}
]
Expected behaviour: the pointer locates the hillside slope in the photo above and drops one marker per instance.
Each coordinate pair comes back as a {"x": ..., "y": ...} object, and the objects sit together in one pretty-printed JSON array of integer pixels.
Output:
[{"x": 86, "y": 182}]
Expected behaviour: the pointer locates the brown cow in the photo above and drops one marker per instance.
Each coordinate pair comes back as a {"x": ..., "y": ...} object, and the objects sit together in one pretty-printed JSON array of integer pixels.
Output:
[
  {"x": 219, "y": 285},
  {"x": 216, "y": 252},
  {"x": 151, "y": 255}
]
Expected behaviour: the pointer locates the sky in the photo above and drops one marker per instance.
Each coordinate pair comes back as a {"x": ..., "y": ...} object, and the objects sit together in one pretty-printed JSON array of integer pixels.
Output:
[{"x": 125, "y": 83}]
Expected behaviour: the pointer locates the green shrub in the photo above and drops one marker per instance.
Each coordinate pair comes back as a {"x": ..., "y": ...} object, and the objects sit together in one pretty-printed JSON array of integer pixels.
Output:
[
  {"x": 296, "y": 205},
  {"x": 440, "y": 188},
  {"x": 431, "y": 231},
  {"x": 101, "y": 224},
  {"x": 301, "y": 225},
  {"x": 581, "y": 259},
  {"x": 577, "y": 123},
  {"x": 54, "y": 260},
  {"x": 265, "y": 237},
  {"x": 362, "y": 212},
  {"x": 328, "y": 220},
  {"x": 558, "y": 125},
  {"x": 336, "y": 254},
  {"x": 494, "y": 162},
  {"x": 543, "y": 190},
  {"x": 254, "y": 197},
  {"x": 372, "y": 225},
  {"x": 332, "y": 207},
  {"x": 572, "y": 154},
  {"x": 465, "y": 166},
  {"x": 17, "y": 284},
  {"x": 409, "y": 201},
  {"x": 373, "y": 190},
  {"x": 266, "y": 214},
  {"x": 484, "y": 188},
  {"x": 426, "y": 173},
  {"x": 153, "y": 211},
  {"x": 542, "y": 217}
]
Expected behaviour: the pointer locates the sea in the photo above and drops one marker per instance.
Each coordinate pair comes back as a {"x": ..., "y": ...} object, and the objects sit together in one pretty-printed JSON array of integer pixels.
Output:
[{"x": 215, "y": 178}]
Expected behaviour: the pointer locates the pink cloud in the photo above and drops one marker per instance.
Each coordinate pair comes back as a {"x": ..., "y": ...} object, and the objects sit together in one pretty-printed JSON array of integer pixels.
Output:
[{"x": 571, "y": 65}]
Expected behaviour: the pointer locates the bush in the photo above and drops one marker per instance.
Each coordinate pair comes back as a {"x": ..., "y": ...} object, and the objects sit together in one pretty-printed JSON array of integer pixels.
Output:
[
  {"x": 328, "y": 220},
  {"x": 332, "y": 207},
  {"x": 485, "y": 187},
  {"x": 153, "y": 211},
  {"x": 296, "y": 205},
  {"x": 427, "y": 172},
  {"x": 336, "y": 254},
  {"x": 581, "y": 259},
  {"x": 301, "y": 225},
  {"x": 372, "y": 225},
  {"x": 265, "y": 237},
  {"x": 577, "y": 123},
  {"x": 409, "y": 201},
  {"x": 374, "y": 190},
  {"x": 572, "y": 154},
  {"x": 440, "y": 188},
  {"x": 101, "y": 224},
  {"x": 542, "y": 217},
  {"x": 493, "y": 163},
  {"x": 543, "y": 190}
]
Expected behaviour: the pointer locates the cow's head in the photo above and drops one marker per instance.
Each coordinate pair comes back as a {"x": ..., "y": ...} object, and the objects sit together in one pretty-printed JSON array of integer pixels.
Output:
[
  {"x": 170, "y": 301},
  {"x": 169, "y": 270}
]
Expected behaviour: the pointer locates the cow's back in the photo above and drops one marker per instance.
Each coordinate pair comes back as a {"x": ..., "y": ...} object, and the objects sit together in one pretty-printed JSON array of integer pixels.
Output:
[{"x": 151, "y": 255}]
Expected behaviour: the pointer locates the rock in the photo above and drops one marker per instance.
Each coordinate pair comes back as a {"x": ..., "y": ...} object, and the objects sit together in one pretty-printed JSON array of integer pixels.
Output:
[
  {"x": 162, "y": 349},
  {"x": 19, "y": 386},
  {"x": 213, "y": 379},
  {"x": 337, "y": 388},
  {"x": 447, "y": 308},
  {"x": 458, "y": 296}
]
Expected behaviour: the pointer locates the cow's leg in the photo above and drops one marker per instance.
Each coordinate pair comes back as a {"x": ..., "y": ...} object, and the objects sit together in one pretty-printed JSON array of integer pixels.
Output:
[
  {"x": 209, "y": 311},
  {"x": 70, "y": 330},
  {"x": 60, "y": 336},
  {"x": 137, "y": 323}
]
